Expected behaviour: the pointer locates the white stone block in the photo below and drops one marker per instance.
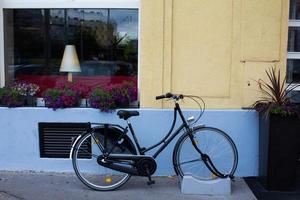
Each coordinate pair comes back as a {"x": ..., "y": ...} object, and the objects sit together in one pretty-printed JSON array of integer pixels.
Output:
[
  {"x": 83, "y": 103},
  {"x": 40, "y": 102},
  {"x": 191, "y": 185}
]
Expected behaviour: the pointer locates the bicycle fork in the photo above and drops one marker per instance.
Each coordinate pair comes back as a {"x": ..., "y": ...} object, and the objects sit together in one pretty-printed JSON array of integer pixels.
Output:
[{"x": 207, "y": 161}]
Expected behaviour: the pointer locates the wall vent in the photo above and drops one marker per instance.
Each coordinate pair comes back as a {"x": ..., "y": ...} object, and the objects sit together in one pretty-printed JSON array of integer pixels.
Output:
[{"x": 56, "y": 139}]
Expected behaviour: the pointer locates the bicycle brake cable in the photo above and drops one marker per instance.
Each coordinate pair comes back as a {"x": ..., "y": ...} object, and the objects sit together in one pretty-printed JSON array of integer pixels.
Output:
[
  {"x": 192, "y": 97},
  {"x": 201, "y": 110}
]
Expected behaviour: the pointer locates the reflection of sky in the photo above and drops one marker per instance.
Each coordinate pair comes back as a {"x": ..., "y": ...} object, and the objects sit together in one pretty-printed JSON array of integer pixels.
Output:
[
  {"x": 88, "y": 14},
  {"x": 125, "y": 19}
]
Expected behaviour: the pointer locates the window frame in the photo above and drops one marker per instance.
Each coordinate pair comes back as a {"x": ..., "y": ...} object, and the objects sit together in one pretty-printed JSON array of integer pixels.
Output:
[
  {"x": 290, "y": 54},
  {"x": 48, "y": 4}
]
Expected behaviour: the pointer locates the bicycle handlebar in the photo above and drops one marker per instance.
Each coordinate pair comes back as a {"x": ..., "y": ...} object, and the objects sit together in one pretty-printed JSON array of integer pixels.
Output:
[
  {"x": 169, "y": 95},
  {"x": 160, "y": 97},
  {"x": 181, "y": 96}
]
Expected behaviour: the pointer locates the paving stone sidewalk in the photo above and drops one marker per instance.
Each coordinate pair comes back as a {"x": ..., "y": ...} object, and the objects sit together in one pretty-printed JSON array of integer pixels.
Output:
[{"x": 64, "y": 186}]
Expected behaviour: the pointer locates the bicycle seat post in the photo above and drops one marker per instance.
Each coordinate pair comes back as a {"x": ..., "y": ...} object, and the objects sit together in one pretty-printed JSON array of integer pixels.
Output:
[{"x": 134, "y": 137}]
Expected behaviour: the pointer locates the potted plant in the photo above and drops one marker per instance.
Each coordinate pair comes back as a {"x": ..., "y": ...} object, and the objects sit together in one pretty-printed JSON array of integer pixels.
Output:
[
  {"x": 60, "y": 98},
  {"x": 101, "y": 99},
  {"x": 279, "y": 133},
  {"x": 123, "y": 94},
  {"x": 27, "y": 91},
  {"x": 3, "y": 92},
  {"x": 10, "y": 98},
  {"x": 81, "y": 90}
]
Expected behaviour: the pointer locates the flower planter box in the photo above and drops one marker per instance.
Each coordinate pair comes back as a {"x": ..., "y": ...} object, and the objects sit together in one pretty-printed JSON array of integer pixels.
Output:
[
  {"x": 30, "y": 101},
  {"x": 279, "y": 148}
]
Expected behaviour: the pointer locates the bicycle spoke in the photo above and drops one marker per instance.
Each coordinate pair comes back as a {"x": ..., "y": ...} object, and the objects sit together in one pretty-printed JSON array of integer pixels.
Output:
[
  {"x": 98, "y": 143},
  {"x": 220, "y": 154},
  {"x": 212, "y": 142},
  {"x": 185, "y": 162},
  {"x": 90, "y": 172},
  {"x": 93, "y": 155}
]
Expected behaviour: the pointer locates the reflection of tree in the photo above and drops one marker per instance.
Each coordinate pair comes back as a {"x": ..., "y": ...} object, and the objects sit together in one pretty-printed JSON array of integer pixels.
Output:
[
  {"x": 116, "y": 46},
  {"x": 28, "y": 34},
  {"x": 130, "y": 50},
  {"x": 102, "y": 41},
  {"x": 91, "y": 40},
  {"x": 43, "y": 37},
  {"x": 103, "y": 32},
  {"x": 28, "y": 43},
  {"x": 99, "y": 39}
]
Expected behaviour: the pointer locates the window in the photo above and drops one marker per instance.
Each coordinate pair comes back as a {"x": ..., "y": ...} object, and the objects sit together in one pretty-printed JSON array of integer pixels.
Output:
[
  {"x": 46, "y": 26},
  {"x": 293, "y": 58},
  {"x": 106, "y": 41}
]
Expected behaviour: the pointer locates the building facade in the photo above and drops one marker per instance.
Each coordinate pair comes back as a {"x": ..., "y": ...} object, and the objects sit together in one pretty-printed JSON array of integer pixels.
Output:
[
  {"x": 208, "y": 48},
  {"x": 215, "y": 49}
]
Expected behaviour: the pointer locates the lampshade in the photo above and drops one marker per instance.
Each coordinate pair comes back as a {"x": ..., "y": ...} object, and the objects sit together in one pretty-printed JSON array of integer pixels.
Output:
[{"x": 70, "y": 62}]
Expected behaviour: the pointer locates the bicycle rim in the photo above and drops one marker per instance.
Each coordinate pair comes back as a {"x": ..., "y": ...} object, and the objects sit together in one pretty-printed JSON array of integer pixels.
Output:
[
  {"x": 87, "y": 169},
  {"x": 211, "y": 141}
]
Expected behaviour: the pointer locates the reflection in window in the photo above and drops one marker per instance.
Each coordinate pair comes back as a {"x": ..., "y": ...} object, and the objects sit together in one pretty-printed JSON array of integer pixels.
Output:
[
  {"x": 293, "y": 70},
  {"x": 293, "y": 63},
  {"x": 294, "y": 9},
  {"x": 106, "y": 41},
  {"x": 295, "y": 96},
  {"x": 294, "y": 39}
]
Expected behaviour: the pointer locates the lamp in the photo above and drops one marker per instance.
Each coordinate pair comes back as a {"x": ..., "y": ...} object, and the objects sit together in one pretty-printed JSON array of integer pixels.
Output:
[{"x": 70, "y": 62}]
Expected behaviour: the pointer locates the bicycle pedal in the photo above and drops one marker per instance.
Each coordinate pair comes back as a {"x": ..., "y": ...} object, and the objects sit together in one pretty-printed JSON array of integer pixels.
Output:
[{"x": 151, "y": 182}]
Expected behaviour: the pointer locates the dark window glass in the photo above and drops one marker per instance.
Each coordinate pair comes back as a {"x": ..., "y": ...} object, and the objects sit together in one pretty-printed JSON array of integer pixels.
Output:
[
  {"x": 295, "y": 96},
  {"x": 106, "y": 41},
  {"x": 55, "y": 19},
  {"x": 293, "y": 65},
  {"x": 294, "y": 39},
  {"x": 294, "y": 9},
  {"x": 293, "y": 71},
  {"x": 24, "y": 42}
]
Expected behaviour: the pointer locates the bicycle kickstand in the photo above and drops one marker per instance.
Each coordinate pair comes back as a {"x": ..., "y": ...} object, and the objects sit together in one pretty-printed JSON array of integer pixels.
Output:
[{"x": 150, "y": 181}]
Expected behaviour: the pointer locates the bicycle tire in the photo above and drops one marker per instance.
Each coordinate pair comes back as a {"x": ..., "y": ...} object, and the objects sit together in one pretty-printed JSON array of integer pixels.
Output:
[
  {"x": 187, "y": 161},
  {"x": 89, "y": 172}
]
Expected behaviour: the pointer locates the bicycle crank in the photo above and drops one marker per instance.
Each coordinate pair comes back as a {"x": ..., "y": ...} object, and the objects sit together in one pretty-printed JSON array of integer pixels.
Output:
[{"x": 139, "y": 165}]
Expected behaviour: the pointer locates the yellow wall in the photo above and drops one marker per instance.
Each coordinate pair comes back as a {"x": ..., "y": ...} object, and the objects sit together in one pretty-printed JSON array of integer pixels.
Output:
[{"x": 213, "y": 49}]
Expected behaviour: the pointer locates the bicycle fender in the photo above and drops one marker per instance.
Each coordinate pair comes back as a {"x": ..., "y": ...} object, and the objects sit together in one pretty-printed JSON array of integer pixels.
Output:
[{"x": 73, "y": 145}]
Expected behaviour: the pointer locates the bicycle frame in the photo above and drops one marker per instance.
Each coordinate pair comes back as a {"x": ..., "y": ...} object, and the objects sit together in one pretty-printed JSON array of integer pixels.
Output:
[
  {"x": 121, "y": 153},
  {"x": 167, "y": 138}
]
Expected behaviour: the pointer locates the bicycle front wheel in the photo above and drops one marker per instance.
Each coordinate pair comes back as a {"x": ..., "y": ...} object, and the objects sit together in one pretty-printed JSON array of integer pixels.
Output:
[
  {"x": 84, "y": 159},
  {"x": 211, "y": 141}
]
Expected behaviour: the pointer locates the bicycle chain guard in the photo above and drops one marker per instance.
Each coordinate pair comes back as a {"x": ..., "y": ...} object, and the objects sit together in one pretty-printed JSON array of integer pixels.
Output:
[{"x": 139, "y": 165}]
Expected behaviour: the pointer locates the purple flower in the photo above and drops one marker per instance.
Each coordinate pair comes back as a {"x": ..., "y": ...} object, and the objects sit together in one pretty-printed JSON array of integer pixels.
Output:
[
  {"x": 60, "y": 98},
  {"x": 101, "y": 99}
]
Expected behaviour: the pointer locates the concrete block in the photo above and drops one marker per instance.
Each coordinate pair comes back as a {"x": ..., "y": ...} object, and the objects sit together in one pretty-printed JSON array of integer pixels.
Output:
[{"x": 191, "y": 185}]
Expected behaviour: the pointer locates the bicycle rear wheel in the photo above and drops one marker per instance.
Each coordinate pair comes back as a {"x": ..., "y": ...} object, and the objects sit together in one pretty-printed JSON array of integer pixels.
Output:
[
  {"x": 211, "y": 141},
  {"x": 84, "y": 160}
]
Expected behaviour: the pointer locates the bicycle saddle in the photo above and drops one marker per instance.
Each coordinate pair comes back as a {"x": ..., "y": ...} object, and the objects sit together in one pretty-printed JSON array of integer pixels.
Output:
[{"x": 125, "y": 114}]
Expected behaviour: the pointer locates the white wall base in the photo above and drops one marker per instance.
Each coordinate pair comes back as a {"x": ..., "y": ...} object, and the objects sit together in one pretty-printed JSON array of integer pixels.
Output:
[
  {"x": 19, "y": 135},
  {"x": 191, "y": 185}
]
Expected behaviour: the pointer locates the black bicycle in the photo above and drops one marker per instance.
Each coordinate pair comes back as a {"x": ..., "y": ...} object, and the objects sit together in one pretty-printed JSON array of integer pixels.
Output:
[{"x": 105, "y": 157}]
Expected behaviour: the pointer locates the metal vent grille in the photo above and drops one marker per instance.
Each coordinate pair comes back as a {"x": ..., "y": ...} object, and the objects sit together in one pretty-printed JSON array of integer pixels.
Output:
[{"x": 56, "y": 139}]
